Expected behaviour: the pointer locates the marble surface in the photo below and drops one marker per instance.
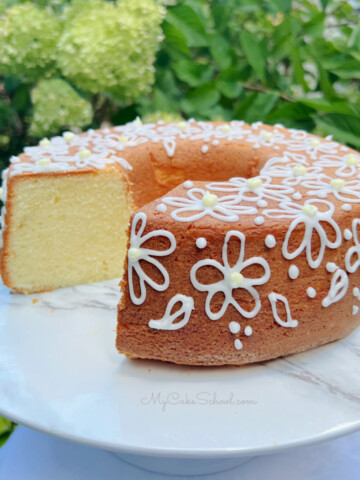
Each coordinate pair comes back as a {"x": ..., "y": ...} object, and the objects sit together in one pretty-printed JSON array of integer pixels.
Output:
[
  {"x": 44, "y": 457},
  {"x": 60, "y": 373}
]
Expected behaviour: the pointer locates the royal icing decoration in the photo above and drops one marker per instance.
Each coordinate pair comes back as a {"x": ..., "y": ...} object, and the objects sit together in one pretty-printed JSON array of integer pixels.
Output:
[
  {"x": 232, "y": 279},
  {"x": 289, "y": 322},
  {"x": 167, "y": 322},
  {"x": 138, "y": 252}
]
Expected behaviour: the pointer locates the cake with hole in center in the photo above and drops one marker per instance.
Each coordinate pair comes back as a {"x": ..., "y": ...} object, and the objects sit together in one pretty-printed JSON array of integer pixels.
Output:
[{"x": 240, "y": 241}]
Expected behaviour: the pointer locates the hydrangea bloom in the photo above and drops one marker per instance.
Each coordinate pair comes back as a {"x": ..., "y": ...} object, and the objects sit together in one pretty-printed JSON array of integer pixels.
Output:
[
  {"x": 28, "y": 39},
  {"x": 57, "y": 105},
  {"x": 110, "y": 47}
]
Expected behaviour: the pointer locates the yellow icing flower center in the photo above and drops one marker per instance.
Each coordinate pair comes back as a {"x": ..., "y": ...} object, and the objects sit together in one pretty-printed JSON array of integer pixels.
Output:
[
  {"x": 266, "y": 135},
  {"x": 351, "y": 160},
  {"x": 134, "y": 253},
  {"x": 209, "y": 199},
  {"x": 310, "y": 210},
  {"x": 337, "y": 183},
  {"x": 254, "y": 183},
  {"x": 182, "y": 125},
  {"x": 225, "y": 128},
  {"x": 44, "y": 161},
  {"x": 84, "y": 153},
  {"x": 299, "y": 170},
  {"x": 45, "y": 142},
  {"x": 236, "y": 278},
  {"x": 68, "y": 136},
  {"x": 123, "y": 139},
  {"x": 314, "y": 142}
]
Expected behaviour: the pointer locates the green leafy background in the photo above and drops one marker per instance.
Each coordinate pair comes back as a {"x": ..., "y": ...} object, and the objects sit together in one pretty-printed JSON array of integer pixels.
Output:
[{"x": 295, "y": 63}]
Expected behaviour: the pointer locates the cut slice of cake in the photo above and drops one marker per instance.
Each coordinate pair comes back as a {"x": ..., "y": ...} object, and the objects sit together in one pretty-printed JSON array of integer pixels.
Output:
[{"x": 63, "y": 229}]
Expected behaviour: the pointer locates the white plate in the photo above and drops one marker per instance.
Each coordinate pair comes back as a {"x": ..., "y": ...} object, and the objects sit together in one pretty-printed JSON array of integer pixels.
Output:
[{"x": 61, "y": 374}]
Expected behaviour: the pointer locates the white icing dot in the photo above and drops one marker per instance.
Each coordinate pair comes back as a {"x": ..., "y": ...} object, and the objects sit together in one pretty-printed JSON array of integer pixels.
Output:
[
  {"x": 293, "y": 272},
  {"x": 276, "y": 147},
  {"x": 201, "y": 242},
  {"x": 238, "y": 344},
  {"x": 347, "y": 234},
  {"x": 188, "y": 184},
  {"x": 346, "y": 207},
  {"x": 234, "y": 327},
  {"x": 356, "y": 291},
  {"x": 248, "y": 331},
  {"x": 297, "y": 196},
  {"x": 204, "y": 148},
  {"x": 262, "y": 203},
  {"x": 259, "y": 220},
  {"x": 270, "y": 241},
  {"x": 331, "y": 267},
  {"x": 215, "y": 143},
  {"x": 311, "y": 292},
  {"x": 161, "y": 207},
  {"x": 355, "y": 309}
]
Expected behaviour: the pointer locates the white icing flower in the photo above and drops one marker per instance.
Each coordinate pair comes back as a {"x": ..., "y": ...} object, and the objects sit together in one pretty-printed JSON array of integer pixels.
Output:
[
  {"x": 346, "y": 191},
  {"x": 293, "y": 173},
  {"x": 139, "y": 253},
  {"x": 348, "y": 165},
  {"x": 233, "y": 279},
  {"x": 301, "y": 141},
  {"x": 312, "y": 217},
  {"x": 266, "y": 138},
  {"x": 350, "y": 264},
  {"x": 255, "y": 189},
  {"x": 200, "y": 203}
]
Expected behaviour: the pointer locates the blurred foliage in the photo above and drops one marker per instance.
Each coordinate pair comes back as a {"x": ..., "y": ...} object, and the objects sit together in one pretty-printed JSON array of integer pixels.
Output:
[
  {"x": 6, "y": 429},
  {"x": 70, "y": 64}
]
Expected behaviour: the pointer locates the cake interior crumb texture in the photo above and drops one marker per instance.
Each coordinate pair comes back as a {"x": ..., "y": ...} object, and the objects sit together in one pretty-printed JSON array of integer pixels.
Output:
[{"x": 65, "y": 226}]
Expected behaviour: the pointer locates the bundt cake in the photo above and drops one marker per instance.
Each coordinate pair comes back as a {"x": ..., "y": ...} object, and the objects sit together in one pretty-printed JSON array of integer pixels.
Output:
[{"x": 252, "y": 254}]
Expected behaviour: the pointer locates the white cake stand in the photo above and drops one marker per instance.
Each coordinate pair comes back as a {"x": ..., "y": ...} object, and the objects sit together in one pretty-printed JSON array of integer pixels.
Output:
[{"x": 61, "y": 374}]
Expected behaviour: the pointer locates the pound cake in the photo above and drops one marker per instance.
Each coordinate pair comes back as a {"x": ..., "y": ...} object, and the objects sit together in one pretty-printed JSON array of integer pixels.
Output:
[
  {"x": 244, "y": 245},
  {"x": 251, "y": 268}
]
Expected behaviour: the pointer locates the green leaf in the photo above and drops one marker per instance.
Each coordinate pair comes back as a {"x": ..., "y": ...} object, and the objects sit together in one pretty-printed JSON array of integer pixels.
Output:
[
  {"x": 298, "y": 69},
  {"x": 202, "y": 98},
  {"x": 347, "y": 69},
  {"x": 192, "y": 73},
  {"x": 255, "y": 51},
  {"x": 185, "y": 19},
  {"x": 221, "y": 51},
  {"x": 345, "y": 128},
  {"x": 256, "y": 106},
  {"x": 227, "y": 82},
  {"x": 175, "y": 37},
  {"x": 322, "y": 105}
]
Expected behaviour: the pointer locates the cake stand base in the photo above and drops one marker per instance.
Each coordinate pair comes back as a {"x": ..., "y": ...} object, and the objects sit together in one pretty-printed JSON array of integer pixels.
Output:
[{"x": 182, "y": 466}]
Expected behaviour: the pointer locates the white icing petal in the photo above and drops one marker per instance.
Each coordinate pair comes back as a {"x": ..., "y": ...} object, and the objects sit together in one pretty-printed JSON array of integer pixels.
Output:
[
  {"x": 338, "y": 287},
  {"x": 167, "y": 321},
  {"x": 137, "y": 252},
  {"x": 290, "y": 322}
]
